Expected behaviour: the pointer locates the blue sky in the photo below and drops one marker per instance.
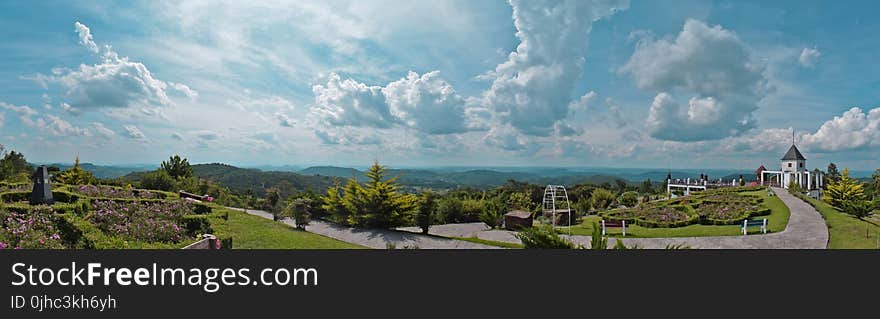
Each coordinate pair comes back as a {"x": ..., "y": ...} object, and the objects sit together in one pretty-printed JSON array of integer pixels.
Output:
[{"x": 678, "y": 84}]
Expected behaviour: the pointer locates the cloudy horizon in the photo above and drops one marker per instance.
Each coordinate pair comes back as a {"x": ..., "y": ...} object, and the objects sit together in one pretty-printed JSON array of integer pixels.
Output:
[{"x": 684, "y": 84}]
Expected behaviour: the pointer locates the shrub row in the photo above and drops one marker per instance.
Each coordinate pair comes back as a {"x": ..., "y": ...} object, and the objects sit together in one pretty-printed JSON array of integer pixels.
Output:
[{"x": 84, "y": 235}]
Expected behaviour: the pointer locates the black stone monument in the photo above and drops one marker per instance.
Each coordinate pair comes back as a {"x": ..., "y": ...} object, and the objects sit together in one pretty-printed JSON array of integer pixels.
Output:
[{"x": 42, "y": 193}]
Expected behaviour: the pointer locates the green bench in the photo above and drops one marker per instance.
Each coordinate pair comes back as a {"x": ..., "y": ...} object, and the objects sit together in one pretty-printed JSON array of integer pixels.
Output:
[{"x": 754, "y": 223}]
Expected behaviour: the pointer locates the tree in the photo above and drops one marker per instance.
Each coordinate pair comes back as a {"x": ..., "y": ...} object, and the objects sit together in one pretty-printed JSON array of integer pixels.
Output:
[
  {"x": 384, "y": 207},
  {"x": 629, "y": 199},
  {"x": 875, "y": 183},
  {"x": 14, "y": 167},
  {"x": 301, "y": 211},
  {"x": 449, "y": 210},
  {"x": 621, "y": 185},
  {"x": 273, "y": 199},
  {"x": 857, "y": 208},
  {"x": 597, "y": 241},
  {"x": 521, "y": 201},
  {"x": 493, "y": 212},
  {"x": 794, "y": 187},
  {"x": 647, "y": 187},
  {"x": 602, "y": 198},
  {"x": 377, "y": 203},
  {"x": 833, "y": 175},
  {"x": 844, "y": 189},
  {"x": 177, "y": 167},
  {"x": 333, "y": 204},
  {"x": 427, "y": 210},
  {"x": 76, "y": 175},
  {"x": 158, "y": 179}
]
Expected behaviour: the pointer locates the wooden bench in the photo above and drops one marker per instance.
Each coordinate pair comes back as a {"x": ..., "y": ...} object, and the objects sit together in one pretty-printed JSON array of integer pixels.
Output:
[
  {"x": 754, "y": 223},
  {"x": 615, "y": 224}
]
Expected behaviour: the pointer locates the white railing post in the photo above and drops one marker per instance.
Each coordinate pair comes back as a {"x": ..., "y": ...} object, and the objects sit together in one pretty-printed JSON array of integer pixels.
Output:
[
  {"x": 603, "y": 227},
  {"x": 745, "y": 222},
  {"x": 624, "y": 228}
]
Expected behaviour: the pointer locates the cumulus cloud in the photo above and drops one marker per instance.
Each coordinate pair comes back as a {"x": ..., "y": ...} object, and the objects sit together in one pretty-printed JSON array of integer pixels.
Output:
[
  {"x": 115, "y": 82},
  {"x": 133, "y": 132},
  {"x": 532, "y": 88},
  {"x": 425, "y": 103},
  {"x": 714, "y": 67},
  {"x": 853, "y": 130},
  {"x": 351, "y": 103},
  {"x": 809, "y": 57},
  {"x": 85, "y": 37}
]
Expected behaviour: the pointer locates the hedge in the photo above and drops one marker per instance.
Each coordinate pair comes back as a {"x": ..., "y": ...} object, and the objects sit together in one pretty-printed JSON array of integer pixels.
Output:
[
  {"x": 12, "y": 197},
  {"x": 81, "y": 233},
  {"x": 197, "y": 224}
]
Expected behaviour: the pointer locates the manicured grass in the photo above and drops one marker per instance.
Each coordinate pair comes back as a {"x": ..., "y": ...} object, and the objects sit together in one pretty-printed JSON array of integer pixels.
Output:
[
  {"x": 776, "y": 221},
  {"x": 845, "y": 231},
  {"x": 488, "y": 242},
  {"x": 253, "y": 232}
]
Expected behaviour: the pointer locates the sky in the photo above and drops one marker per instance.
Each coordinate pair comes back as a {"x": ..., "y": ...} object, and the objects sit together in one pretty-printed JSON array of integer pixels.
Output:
[{"x": 568, "y": 83}]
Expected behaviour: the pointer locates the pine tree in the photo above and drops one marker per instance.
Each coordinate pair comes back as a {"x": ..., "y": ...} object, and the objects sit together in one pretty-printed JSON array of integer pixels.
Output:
[
  {"x": 833, "y": 175},
  {"x": 427, "y": 209},
  {"x": 383, "y": 206},
  {"x": 334, "y": 206},
  {"x": 844, "y": 189}
]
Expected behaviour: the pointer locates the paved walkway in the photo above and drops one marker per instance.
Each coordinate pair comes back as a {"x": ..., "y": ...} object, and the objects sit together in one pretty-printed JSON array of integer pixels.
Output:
[{"x": 376, "y": 238}]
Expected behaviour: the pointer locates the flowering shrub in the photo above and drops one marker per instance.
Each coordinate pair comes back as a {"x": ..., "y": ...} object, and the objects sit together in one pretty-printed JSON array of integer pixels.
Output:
[
  {"x": 666, "y": 216},
  {"x": 143, "y": 221},
  {"x": 113, "y": 192},
  {"x": 34, "y": 229}
]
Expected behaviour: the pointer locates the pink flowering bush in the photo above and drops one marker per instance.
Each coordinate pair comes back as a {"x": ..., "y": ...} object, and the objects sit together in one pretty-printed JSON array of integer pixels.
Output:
[
  {"x": 35, "y": 229},
  {"x": 143, "y": 221},
  {"x": 113, "y": 192}
]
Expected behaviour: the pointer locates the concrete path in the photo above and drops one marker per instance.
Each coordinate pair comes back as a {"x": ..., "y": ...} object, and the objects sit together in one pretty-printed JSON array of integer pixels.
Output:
[
  {"x": 806, "y": 230},
  {"x": 376, "y": 238}
]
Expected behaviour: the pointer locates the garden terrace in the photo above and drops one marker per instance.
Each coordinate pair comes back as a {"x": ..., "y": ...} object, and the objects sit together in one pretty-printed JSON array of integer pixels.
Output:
[
  {"x": 727, "y": 206},
  {"x": 706, "y": 214},
  {"x": 102, "y": 191}
]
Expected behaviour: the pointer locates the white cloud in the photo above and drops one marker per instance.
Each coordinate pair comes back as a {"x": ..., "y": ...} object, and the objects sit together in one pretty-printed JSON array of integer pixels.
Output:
[
  {"x": 852, "y": 130},
  {"x": 532, "y": 89},
  {"x": 583, "y": 103},
  {"x": 177, "y": 136},
  {"x": 809, "y": 57},
  {"x": 285, "y": 120},
  {"x": 58, "y": 127},
  {"x": 85, "y": 37},
  {"x": 22, "y": 110},
  {"x": 351, "y": 103},
  {"x": 116, "y": 82},
  {"x": 712, "y": 65},
  {"x": 103, "y": 131},
  {"x": 426, "y": 103},
  {"x": 134, "y": 132}
]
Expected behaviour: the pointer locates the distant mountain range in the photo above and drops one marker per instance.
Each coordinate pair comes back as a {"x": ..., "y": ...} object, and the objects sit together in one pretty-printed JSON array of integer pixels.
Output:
[{"x": 318, "y": 178}]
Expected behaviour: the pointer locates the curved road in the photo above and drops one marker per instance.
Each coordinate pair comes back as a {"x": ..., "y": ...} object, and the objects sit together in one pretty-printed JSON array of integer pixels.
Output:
[{"x": 376, "y": 238}]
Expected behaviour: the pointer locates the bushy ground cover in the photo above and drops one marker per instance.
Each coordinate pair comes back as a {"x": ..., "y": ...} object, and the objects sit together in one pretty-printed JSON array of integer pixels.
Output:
[
  {"x": 103, "y": 191},
  {"x": 33, "y": 229}
]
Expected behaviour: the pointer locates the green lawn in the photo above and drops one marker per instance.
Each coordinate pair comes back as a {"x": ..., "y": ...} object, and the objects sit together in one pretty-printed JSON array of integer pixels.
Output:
[
  {"x": 253, "y": 232},
  {"x": 845, "y": 231},
  {"x": 488, "y": 242},
  {"x": 777, "y": 220}
]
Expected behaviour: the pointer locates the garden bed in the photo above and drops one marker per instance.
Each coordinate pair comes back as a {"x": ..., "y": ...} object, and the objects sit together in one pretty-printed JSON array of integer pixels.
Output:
[{"x": 726, "y": 206}]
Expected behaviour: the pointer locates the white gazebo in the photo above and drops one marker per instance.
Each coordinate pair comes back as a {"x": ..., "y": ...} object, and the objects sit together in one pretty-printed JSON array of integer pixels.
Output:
[{"x": 793, "y": 170}]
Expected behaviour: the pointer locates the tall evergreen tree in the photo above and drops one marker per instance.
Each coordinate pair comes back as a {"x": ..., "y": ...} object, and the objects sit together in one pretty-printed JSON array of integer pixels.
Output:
[
  {"x": 833, "y": 174},
  {"x": 843, "y": 190},
  {"x": 177, "y": 167}
]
